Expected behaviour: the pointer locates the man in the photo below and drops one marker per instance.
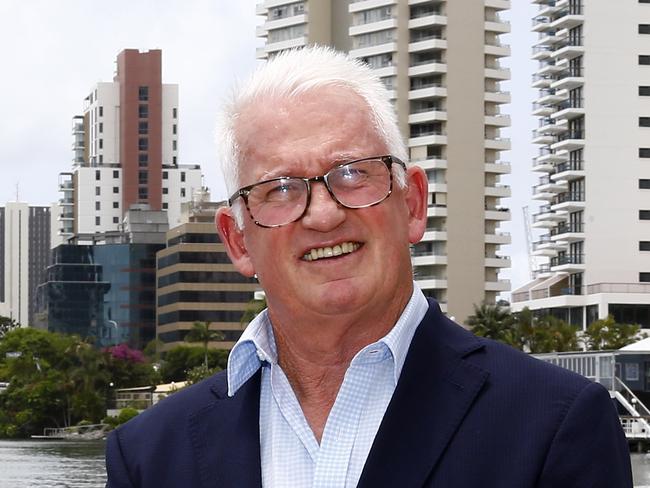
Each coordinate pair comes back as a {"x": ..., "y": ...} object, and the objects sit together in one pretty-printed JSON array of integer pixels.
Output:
[{"x": 350, "y": 377}]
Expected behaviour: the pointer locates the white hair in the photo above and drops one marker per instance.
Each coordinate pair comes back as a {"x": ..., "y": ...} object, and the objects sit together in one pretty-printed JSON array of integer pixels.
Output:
[{"x": 292, "y": 73}]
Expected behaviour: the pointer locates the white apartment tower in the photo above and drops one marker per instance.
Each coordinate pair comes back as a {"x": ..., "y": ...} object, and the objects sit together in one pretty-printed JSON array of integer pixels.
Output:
[
  {"x": 594, "y": 162},
  {"x": 440, "y": 60},
  {"x": 24, "y": 257},
  {"x": 125, "y": 150}
]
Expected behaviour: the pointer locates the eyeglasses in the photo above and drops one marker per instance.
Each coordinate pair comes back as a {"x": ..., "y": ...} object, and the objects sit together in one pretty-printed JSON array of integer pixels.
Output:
[{"x": 358, "y": 184}]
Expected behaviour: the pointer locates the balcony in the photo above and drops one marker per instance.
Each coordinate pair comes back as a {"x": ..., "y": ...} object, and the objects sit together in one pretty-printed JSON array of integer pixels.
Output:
[
  {"x": 548, "y": 96},
  {"x": 359, "y": 5},
  {"x": 433, "y": 234},
  {"x": 499, "y": 285},
  {"x": 568, "y": 262},
  {"x": 373, "y": 50},
  {"x": 498, "y": 238},
  {"x": 427, "y": 19},
  {"x": 497, "y": 96},
  {"x": 568, "y": 231},
  {"x": 432, "y": 91},
  {"x": 429, "y": 281},
  {"x": 425, "y": 138},
  {"x": 569, "y": 79},
  {"x": 500, "y": 167},
  {"x": 541, "y": 52},
  {"x": 569, "y": 201},
  {"x": 542, "y": 110},
  {"x": 541, "y": 23},
  {"x": 437, "y": 210},
  {"x": 498, "y": 50},
  {"x": 497, "y": 143},
  {"x": 569, "y": 17},
  {"x": 427, "y": 44},
  {"x": 547, "y": 218},
  {"x": 375, "y": 26},
  {"x": 547, "y": 247},
  {"x": 568, "y": 48},
  {"x": 543, "y": 81},
  {"x": 569, "y": 171},
  {"x": 427, "y": 116},
  {"x": 427, "y": 259},
  {"x": 497, "y": 262},
  {"x": 430, "y": 163},
  {"x": 547, "y": 157},
  {"x": 500, "y": 214},
  {"x": 569, "y": 109},
  {"x": 496, "y": 24},
  {"x": 569, "y": 141},
  {"x": 497, "y": 73},
  {"x": 498, "y": 191},
  {"x": 497, "y": 120},
  {"x": 427, "y": 67}
]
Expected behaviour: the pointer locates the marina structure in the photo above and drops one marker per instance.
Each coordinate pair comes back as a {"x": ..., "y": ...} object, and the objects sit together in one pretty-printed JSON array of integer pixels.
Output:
[
  {"x": 594, "y": 163},
  {"x": 441, "y": 61}
]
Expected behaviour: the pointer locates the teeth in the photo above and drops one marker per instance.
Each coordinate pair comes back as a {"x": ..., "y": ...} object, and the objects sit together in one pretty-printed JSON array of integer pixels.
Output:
[{"x": 328, "y": 252}]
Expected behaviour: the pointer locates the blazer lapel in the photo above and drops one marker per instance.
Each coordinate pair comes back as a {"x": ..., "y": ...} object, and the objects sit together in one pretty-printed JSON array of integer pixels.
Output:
[
  {"x": 437, "y": 387},
  {"x": 225, "y": 437}
]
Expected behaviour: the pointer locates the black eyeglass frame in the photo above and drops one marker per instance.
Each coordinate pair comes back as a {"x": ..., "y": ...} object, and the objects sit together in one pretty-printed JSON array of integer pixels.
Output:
[{"x": 388, "y": 160}]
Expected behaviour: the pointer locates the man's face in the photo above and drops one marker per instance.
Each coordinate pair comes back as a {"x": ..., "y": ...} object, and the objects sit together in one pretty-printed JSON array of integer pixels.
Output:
[{"x": 306, "y": 137}]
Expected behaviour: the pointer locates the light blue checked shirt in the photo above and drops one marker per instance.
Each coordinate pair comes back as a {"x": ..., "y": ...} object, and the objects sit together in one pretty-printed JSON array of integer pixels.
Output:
[{"x": 290, "y": 454}]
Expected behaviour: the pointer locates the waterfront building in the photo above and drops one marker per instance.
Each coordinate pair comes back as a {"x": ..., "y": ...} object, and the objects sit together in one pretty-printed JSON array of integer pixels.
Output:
[
  {"x": 196, "y": 281},
  {"x": 441, "y": 61},
  {"x": 24, "y": 256},
  {"x": 125, "y": 150},
  {"x": 102, "y": 286},
  {"x": 594, "y": 163}
]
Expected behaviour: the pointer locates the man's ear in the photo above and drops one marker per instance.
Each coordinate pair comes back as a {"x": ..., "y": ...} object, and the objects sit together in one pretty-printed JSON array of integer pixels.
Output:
[
  {"x": 233, "y": 238},
  {"x": 416, "y": 201}
]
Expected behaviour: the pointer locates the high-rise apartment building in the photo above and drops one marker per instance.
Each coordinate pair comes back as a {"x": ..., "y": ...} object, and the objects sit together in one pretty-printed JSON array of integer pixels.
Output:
[
  {"x": 441, "y": 62},
  {"x": 197, "y": 282},
  {"x": 125, "y": 150},
  {"x": 594, "y": 160},
  {"x": 24, "y": 257}
]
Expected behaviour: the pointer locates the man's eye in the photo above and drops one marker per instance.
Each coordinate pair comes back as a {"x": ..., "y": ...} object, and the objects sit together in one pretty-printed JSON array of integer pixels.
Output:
[
  {"x": 353, "y": 175},
  {"x": 282, "y": 192}
]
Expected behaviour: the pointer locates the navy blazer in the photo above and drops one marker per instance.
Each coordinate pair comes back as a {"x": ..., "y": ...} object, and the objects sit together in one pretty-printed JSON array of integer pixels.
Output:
[{"x": 466, "y": 412}]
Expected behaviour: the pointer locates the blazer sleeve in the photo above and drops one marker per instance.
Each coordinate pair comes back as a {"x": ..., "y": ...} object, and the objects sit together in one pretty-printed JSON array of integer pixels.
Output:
[
  {"x": 589, "y": 448},
  {"x": 118, "y": 476}
]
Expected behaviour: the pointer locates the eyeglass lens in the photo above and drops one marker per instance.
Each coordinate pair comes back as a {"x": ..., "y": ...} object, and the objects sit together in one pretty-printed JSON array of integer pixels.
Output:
[{"x": 354, "y": 185}]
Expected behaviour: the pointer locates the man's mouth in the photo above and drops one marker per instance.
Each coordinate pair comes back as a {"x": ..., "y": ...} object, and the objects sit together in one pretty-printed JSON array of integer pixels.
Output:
[{"x": 330, "y": 252}]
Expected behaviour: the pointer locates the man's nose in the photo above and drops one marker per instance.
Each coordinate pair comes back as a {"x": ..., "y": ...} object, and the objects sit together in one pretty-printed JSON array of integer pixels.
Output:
[{"x": 324, "y": 213}]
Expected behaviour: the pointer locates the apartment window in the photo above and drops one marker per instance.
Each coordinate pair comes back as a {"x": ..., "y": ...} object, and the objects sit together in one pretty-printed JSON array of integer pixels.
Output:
[
  {"x": 165, "y": 175},
  {"x": 97, "y": 206},
  {"x": 174, "y": 145},
  {"x": 644, "y": 277},
  {"x": 644, "y": 1},
  {"x": 174, "y": 160},
  {"x": 644, "y": 28},
  {"x": 644, "y": 245},
  {"x": 644, "y": 214},
  {"x": 116, "y": 204},
  {"x": 98, "y": 221},
  {"x": 143, "y": 111},
  {"x": 101, "y": 144},
  {"x": 143, "y": 93},
  {"x": 644, "y": 59},
  {"x": 644, "y": 91},
  {"x": 644, "y": 152},
  {"x": 373, "y": 38},
  {"x": 183, "y": 196},
  {"x": 165, "y": 190},
  {"x": 116, "y": 173},
  {"x": 101, "y": 158},
  {"x": 143, "y": 177},
  {"x": 98, "y": 191},
  {"x": 286, "y": 33},
  {"x": 175, "y": 113},
  {"x": 143, "y": 193},
  {"x": 116, "y": 189},
  {"x": 143, "y": 127},
  {"x": 143, "y": 159},
  {"x": 101, "y": 111},
  {"x": 182, "y": 176},
  {"x": 644, "y": 121},
  {"x": 174, "y": 129},
  {"x": 143, "y": 143},
  {"x": 98, "y": 174},
  {"x": 164, "y": 206},
  {"x": 116, "y": 220},
  {"x": 644, "y": 184},
  {"x": 101, "y": 127}
]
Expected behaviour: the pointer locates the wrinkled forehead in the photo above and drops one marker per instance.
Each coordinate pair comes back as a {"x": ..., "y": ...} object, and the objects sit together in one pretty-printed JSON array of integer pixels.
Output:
[{"x": 318, "y": 120}]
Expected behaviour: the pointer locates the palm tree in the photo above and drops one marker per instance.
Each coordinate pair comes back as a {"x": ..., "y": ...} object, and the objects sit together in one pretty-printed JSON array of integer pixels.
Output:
[
  {"x": 492, "y": 321},
  {"x": 202, "y": 333}
]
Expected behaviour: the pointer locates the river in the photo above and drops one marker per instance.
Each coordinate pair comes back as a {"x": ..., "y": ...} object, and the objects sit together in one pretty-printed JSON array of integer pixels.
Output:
[{"x": 80, "y": 464}]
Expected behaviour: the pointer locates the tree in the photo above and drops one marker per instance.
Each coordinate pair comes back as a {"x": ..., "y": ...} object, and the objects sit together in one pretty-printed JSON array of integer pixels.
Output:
[
  {"x": 7, "y": 324},
  {"x": 608, "y": 334},
  {"x": 494, "y": 322},
  {"x": 253, "y": 310},
  {"x": 202, "y": 333},
  {"x": 180, "y": 360}
]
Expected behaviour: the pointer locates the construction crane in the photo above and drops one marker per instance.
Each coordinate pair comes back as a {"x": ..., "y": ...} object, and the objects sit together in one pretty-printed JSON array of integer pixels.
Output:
[{"x": 529, "y": 242}]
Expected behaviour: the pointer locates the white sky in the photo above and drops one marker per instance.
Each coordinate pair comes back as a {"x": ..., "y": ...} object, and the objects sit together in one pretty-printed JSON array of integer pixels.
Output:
[{"x": 53, "y": 52}]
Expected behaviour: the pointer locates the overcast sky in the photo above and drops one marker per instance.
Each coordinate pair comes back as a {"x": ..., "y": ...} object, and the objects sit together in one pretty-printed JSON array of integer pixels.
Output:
[{"x": 53, "y": 52}]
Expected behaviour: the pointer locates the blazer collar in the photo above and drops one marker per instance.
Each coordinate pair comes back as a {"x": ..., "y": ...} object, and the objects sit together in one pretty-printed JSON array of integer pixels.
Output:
[
  {"x": 225, "y": 436},
  {"x": 436, "y": 389}
]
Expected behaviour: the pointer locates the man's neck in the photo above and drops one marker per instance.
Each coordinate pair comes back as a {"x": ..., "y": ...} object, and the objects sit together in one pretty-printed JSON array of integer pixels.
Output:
[{"x": 315, "y": 352}]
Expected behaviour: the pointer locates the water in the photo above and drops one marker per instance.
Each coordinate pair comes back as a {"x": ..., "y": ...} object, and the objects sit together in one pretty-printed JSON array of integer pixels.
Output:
[
  {"x": 80, "y": 464},
  {"x": 52, "y": 464}
]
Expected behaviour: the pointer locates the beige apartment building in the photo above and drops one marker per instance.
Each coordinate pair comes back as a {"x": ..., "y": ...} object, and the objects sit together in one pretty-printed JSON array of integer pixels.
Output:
[{"x": 441, "y": 62}]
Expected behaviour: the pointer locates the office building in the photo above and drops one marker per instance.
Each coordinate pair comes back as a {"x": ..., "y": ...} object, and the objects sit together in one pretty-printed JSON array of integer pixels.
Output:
[
  {"x": 103, "y": 286},
  {"x": 196, "y": 281},
  {"x": 594, "y": 162},
  {"x": 126, "y": 150},
  {"x": 441, "y": 62},
  {"x": 24, "y": 256}
]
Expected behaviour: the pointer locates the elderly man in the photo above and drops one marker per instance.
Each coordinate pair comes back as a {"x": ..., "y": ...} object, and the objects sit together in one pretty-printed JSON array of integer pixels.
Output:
[{"x": 351, "y": 377}]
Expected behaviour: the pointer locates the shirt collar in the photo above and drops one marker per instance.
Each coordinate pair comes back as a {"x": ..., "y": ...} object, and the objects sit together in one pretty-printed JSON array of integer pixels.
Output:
[{"x": 257, "y": 344}]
